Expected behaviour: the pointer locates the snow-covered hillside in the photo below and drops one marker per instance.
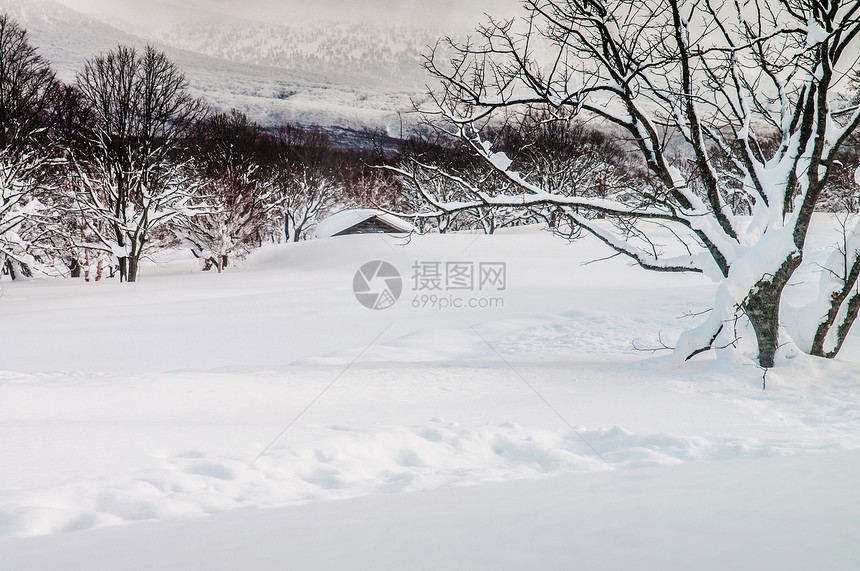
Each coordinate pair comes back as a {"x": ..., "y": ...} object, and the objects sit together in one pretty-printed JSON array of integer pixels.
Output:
[
  {"x": 64, "y": 36},
  {"x": 320, "y": 91},
  {"x": 264, "y": 394},
  {"x": 387, "y": 55}
]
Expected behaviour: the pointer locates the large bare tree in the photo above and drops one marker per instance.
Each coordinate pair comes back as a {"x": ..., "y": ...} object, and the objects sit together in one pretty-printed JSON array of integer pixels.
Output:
[
  {"x": 141, "y": 110},
  {"x": 754, "y": 85}
]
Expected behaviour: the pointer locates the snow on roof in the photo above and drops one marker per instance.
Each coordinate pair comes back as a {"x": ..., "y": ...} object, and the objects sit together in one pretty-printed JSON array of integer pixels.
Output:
[{"x": 337, "y": 223}]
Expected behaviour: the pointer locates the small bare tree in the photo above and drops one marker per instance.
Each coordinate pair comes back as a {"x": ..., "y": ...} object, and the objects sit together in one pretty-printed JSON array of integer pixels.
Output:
[
  {"x": 303, "y": 178},
  {"x": 838, "y": 301},
  {"x": 19, "y": 208},
  {"x": 231, "y": 219},
  {"x": 27, "y": 85},
  {"x": 226, "y": 151}
]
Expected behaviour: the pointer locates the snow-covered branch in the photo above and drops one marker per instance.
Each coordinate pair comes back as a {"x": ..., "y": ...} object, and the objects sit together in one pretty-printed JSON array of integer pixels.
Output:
[{"x": 732, "y": 111}]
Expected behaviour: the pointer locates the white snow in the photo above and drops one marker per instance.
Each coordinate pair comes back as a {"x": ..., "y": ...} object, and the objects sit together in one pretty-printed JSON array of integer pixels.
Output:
[
  {"x": 501, "y": 161},
  {"x": 815, "y": 34},
  {"x": 129, "y": 411},
  {"x": 742, "y": 515}
]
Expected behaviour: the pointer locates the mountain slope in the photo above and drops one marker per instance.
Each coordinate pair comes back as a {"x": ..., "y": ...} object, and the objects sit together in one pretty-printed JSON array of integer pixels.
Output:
[
  {"x": 64, "y": 36},
  {"x": 309, "y": 96},
  {"x": 368, "y": 53}
]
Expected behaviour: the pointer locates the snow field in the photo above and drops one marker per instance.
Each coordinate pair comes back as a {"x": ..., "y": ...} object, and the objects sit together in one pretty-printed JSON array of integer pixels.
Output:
[{"x": 191, "y": 420}]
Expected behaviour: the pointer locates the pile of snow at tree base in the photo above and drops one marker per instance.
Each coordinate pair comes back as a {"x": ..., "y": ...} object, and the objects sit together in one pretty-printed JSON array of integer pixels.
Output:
[{"x": 519, "y": 430}]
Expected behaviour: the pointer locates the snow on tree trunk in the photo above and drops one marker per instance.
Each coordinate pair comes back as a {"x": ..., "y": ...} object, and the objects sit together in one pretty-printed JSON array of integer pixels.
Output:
[{"x": 838, "y": 303}]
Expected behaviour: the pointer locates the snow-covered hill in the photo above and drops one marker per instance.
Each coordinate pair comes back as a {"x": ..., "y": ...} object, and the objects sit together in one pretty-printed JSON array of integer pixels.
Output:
[
  {"x": 311, "y": 92},
  {"x": 368, "y": 52},
  {"x": 64, "y": 36}
]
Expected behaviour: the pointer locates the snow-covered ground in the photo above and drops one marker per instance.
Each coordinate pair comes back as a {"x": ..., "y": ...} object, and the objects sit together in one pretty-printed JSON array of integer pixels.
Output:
[{"x": 316, "y": 433}]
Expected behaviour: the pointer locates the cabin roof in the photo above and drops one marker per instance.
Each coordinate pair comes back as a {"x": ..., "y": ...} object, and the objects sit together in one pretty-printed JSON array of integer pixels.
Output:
[{"x": 342, "y": 222}]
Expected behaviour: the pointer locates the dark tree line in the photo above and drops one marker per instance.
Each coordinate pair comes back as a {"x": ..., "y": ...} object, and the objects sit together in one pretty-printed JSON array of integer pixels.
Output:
[{"x": 98, "y": 174}]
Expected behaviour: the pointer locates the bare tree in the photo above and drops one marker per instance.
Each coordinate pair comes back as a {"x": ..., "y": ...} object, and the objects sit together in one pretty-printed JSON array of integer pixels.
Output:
[
  {"x": 373, "y": 187},
  {"x": 18, "y": 209},
  {"x": 303, "y": 176},
  {"x": 69, "y": 238},
  {"x": 680, "y": 78},
  {"x": 141, "y": 109},
  {"x": 233, "y": 194},
  {"x": 231, "y": 219},
  {"x": 27, "y": 85}
]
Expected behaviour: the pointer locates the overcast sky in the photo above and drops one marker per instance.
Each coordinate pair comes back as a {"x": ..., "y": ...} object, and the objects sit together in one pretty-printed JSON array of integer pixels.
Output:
[{"x": 462, "y": 14}]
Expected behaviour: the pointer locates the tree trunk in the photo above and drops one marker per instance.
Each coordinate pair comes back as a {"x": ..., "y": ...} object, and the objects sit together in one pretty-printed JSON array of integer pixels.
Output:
[
  {"x": 762, "y": 308},
  {"x": 819, "y": 348},
  {"x": 133, "y": 265},
  {"x": 838, "y": 300},
  {"x": 488, "y": 222},
  {"x": 123, "y": 269},
  {"x": 17, "y": 270}
]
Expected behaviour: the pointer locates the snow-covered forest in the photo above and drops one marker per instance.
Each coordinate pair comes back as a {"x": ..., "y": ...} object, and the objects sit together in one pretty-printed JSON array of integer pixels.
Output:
[
  {"x": 125, "y": 162},
  {"x": 620, "y": 264},
  {"x": 388, "y": 54}
]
